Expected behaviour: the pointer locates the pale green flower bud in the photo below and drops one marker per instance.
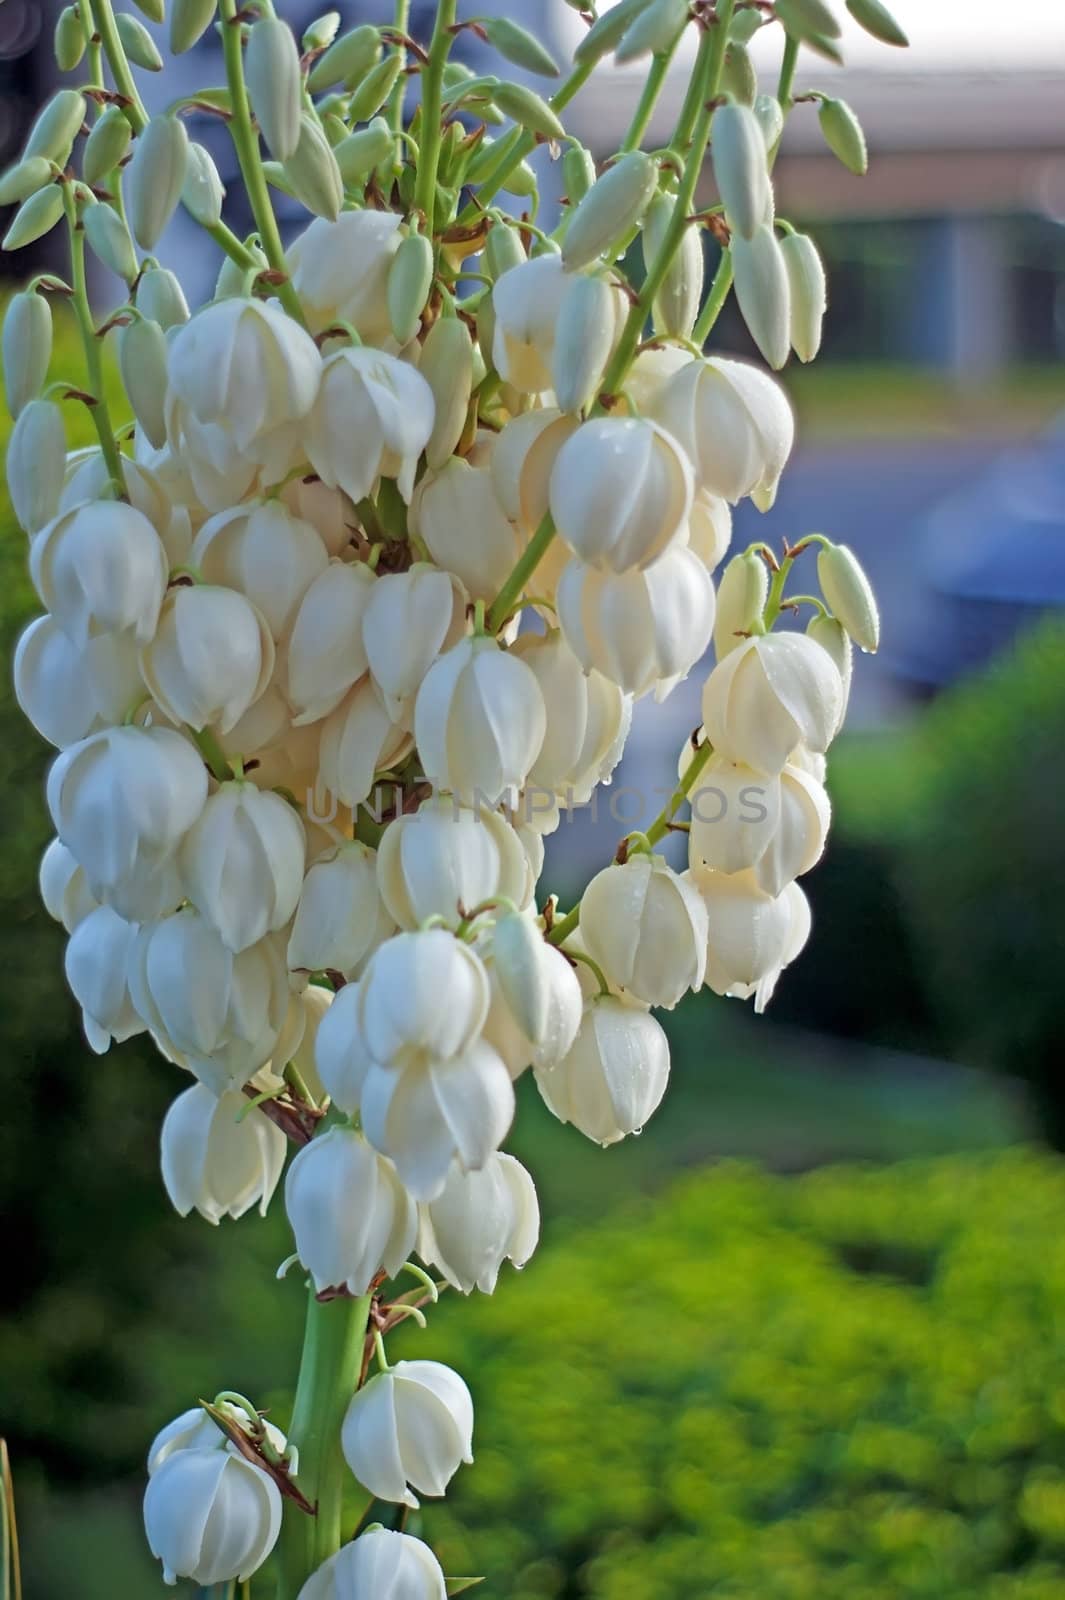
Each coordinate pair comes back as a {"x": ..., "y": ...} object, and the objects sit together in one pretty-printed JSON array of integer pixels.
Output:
[
  {"x": 503, "y": 249},
  {"x": 272, "y": 73},
  {"x": 832, "y": 636},
  {"x": 677, "y": 302},
  {"x": 52, "y": 135},
  {"x": 523, "y": 181},
  {"x": 739, "y": 159},
  {"x": 202, "y": 192},
  {"x": 578, "y": 173},
  {"x": 516, "y": 44},
  {"x": 361, "y": 152},
  {"x": 770, "y": 118},
  {"x": 529, "y": 110},
  {"x": 189, "y": 21},
  {"x": 738, "y": 77},
  {"x": 741, "y": 599},
  {"x": 607, "y": 31},
  {"x": 808, "y": 19},
  {"x": 106, "y": 146},
  {"x": 36, "y": 460},
  {"x": 447, "y": 367},
  {"x": 155, "y": 178},
  {"x": 34, "y": 218},
  {"x": 230, "y": 283},
  {"x": 849, "y": 594},
  {"x": 154, "y": 10},
  {"x": 410, "y": 277},
  {"x": 806, "y": 279},
  {"x": 764, "y": 293},
  {"x": 877, "y": 20},
  {"x": 27, "y": 348},
  {"x": 744, "y": 25},
  {"x": 348, "y": 60},
  {"x": 138, "y": 43},
  {"x": 108, "y": 239},
  {"x": 656, "y": 28},
  {"x": 142, "y": 363},
  {"x": 69, "y": 40},
  {"x": 319, "y": 34},
  {"x": 843, "y": 135},
  {"x": 24, "y": 179},
  {"x": 611, "y": 208},
  {"x": 313, "y": 172},
  {"x": 375, "y": 88},
  {"x": 585, "y": 335},
  {"x": 161, "y": 298}
]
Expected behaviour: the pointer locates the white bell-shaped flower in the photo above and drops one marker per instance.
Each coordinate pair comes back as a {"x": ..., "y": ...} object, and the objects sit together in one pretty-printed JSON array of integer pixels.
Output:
[
  {"x": 411, "y": 1425},
  {"x": 100, "y": 568},
  {"x": 338, "y": 912},
  {"x": 741, "y": 819},
  {"x": 242, "y": 863},
  {"x": 479, "y": 722},
  {"x": 265, "y": 552},
  {"x": 358, "y": 740},
  {"x": 88, "y": 477},
  {"x": 340, "y": 271},
  {"x": 521, "y": 463},
  {"x": 777, "y": 690},
  {"x": 219, "y": 1156},
  {"x": 478, "y": 1221},
  {"x": 642, "y": 630},
  {"x": 244, "y": 368},
  {"x": 753, "y": 935},
  {"x": 211, "y": 657},
  {"x": 211, "y": 1515},
  {"x": 51, "y": 684},
  {"x": 457, "y": 514},
  {"x": 64, "y": 887},
  {"x": 401, "y": 1017},
  {"x": 350, "y": 1214},
  {"x": 97, "y": 967},
  {"x": 588, "y": 719},
  {"x": 621, "y": 492},
  {"x": 734, "y": 423},
  {"x": 615, "y": 1075},
  {"x": 382, "y": 402},
  {"x": 536, "y": 1003},
  {"x": 646, "y": 927},
  {"x": 412, "y": 616},
  {"x": 122, "y": 801},
  {"x": 444, "y": 859},
  {"x": 387, "y": 1565},
  {"x": 425, "y": 1114},
  {"x": 325, "y": 655},
  {"x": 329, "y": 511},
  {"x": 341, "y": 1059},
  {"x": 526, "y": 302},
  {"x": 221, "y": 1013},
  {"x": 195, "y": 1430},
  {"x": 710, "y": 528}
]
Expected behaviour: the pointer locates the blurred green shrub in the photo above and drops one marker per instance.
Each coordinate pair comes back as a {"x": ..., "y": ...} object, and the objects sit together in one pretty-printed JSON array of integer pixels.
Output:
[{"x": 849, "y": 1386}]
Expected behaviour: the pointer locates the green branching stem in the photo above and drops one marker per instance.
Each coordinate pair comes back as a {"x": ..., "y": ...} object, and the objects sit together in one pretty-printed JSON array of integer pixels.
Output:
[
  {"x": 133, "y": 105},
  {"x": 401, "y": 23},
  {"x": 432, "y": 96},
  {"x": 524, "y": 567},
  {"x": 645, "y": 106},
  {"x": 246, "y": 143},
  {"x": 785, "y": 83},
  {"x": 213, "y": 754},
  {"x": 715, "y": 300},
  {"x": 329, "y": 1375},
  {"x": 79, "y": 299},
  {"x": 517, "y": 145}
]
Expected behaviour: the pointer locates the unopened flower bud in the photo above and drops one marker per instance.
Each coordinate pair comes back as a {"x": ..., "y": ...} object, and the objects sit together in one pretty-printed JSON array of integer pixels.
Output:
[
  {"x": 621, "y": 492},
  {"x": 478, "y": 1221},
  {"x": 348, "y": 59},
  {"x": 589, "y": 322},
  {"x": 763, "y": 292},
  {"x": 69, "y": 39},
  {"x": 211, "y": 1515},
  {"x": 189, "y": 20},
  {"x": 614, "y": 1077},
  {"x": 349, "y": 1212},
  {"x": 843, "y": 134},
  {"x": 138, "y": 43},
  {"x": 738, "y": 76},
  {"x": 447, "y": 366},
  {"x": 411, "y": 1425},
  {"x": 202, "y": 192},
  {"x": 774, "y": 692},
  {"x": 849, "y": 594},
  {"x": 374, "y": 89},
  {"x": 741, "y": 599},
  {"x": 390, "y": 1566},
  {"x": 106, "y": 145},
  {"x": 36, "y": 457},
  {"x": 100, "y": 568},
  {"x": 35, "y": 217},
  {"x": 877, "y": 20},
  {"x": 359, "y": 153},
  {"x": 312, "y": 171},
  {"x": 220, "y": 1157},
  {"x": 806, "y": 280},
  {"x": 831, "y": 635},
  {"x": 275, "y": 87},
  {"x": 610, "y": 210},
  {"x": 155, "y": 178},
  {"x": 161, "y": 298},
  {"x": 578, "y": 173},
  {"x": 24, "y": 179},
  {"x": 655, "y": 29},
  {"x": 607, "y": 31},
  {"x": 503, "y": 249},
  {"x": 142, "y": 363},
  {"x": 56, "y": 127},
  {"x": 410, "y": 278},
  {"x": 338, "y": 913},
  {"x": 770, "y": 118},
  {"x": 479, "y": 722},
  {"x": 677, "y": 302},
  {"x": 27, "y": 348},
  {"x": 740, "y": 171}
]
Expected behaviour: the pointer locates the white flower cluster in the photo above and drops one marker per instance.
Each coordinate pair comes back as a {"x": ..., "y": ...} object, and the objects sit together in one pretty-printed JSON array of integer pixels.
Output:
[{"x": 362, "y": 612}]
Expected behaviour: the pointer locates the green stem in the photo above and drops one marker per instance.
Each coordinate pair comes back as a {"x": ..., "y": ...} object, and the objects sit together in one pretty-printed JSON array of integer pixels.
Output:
[
  {"x": 432, "y": 94},
  {"x": 715, "y": 300},
  {"x": 101, "y": 416},
  {"x": 233, "y": 247},
  {"x": 648, "y": 100},
  {"x": 788, "y": 62},
  {"x": 212, "y": 753},
  {"x": 246, "y": 143},
  {"x": 329, "y": 1375},
  {"x": 134, "y": 110},
  {"x": 565, "y": 926},
  {"x": 401, "y": 23},
  {"x": 776, "y": 593},
  {"x": 524, "y": 567},
  {"x": 516, "y": 145}
]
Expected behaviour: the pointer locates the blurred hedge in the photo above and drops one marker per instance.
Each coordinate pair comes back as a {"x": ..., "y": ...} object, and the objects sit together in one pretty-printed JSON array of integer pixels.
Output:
[{"x": 847, "y": 1385}]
